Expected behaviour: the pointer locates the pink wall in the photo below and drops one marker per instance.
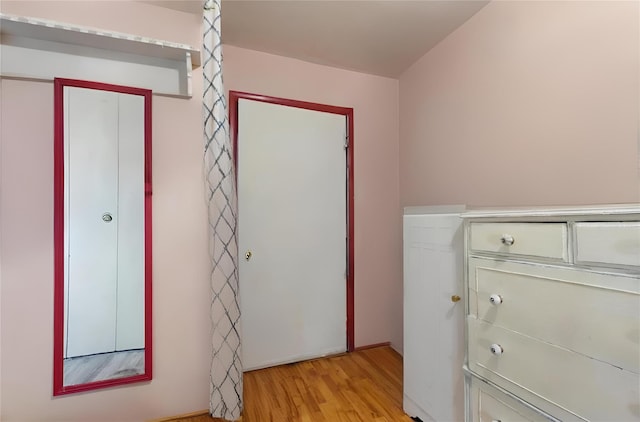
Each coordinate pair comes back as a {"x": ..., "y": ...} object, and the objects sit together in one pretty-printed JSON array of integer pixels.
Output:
[
  {"x": 528, "y": 103},
  {"x": 181, "y": 266},
  {"x": 378, "y": 249}
]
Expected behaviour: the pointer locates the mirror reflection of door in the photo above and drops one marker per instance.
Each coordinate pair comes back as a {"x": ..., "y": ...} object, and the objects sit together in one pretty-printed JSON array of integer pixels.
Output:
[{"x": 104, "y": 235}]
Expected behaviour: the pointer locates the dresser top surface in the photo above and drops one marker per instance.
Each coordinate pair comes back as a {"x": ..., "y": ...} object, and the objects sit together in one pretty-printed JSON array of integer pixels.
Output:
[{"x": 554, "y": 211}]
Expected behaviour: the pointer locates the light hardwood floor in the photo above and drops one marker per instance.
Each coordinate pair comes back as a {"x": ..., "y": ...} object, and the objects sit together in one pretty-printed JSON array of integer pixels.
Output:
[{"x": 363, "y": 386}]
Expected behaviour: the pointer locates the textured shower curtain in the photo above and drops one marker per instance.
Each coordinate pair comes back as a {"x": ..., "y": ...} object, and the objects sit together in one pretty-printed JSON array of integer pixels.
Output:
[{"x": 225, "y": 379}]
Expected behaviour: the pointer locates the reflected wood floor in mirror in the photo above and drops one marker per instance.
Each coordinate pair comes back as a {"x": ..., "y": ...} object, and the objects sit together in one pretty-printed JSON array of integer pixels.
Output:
[
  {"x": 103, "y": 366},
  {"x": 363, "y": 386}
]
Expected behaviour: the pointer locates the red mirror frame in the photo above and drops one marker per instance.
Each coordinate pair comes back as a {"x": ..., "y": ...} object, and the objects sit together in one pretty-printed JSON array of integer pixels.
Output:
[{"x": 58, "y": 177}]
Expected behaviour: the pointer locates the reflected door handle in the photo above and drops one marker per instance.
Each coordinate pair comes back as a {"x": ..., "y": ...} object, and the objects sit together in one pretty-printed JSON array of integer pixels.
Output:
[
  {"x": 247, "y": 255},
  {"x": 107, "y": 217},
  {"x": 455, "y": 298}
]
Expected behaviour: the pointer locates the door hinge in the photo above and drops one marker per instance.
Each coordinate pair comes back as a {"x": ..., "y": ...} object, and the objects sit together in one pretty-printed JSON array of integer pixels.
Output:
[{"x": 346, "y": 142}]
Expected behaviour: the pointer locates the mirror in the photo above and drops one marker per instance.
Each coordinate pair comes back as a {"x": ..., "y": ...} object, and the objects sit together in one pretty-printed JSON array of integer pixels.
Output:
[{"x": 102, "y": 235}]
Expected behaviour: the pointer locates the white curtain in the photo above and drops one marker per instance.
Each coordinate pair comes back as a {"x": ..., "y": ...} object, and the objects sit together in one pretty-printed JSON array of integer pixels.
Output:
[{"x": 226, "y": 366}]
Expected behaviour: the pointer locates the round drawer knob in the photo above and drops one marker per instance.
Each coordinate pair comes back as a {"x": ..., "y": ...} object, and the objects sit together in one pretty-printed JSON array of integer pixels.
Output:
[
  {"x": 495, "y": 299},
  {"x": 507, "y": 240},
  {"x": 496, "y": 349}
]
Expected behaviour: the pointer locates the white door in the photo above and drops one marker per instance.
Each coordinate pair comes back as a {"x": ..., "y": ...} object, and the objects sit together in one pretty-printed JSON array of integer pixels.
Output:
[
  {"x": 92, "y": 256},
  {"x": 104, "y": 221},
  {"x": 131, "y": 227},
  {"x": 433, "y": 321},
  {"x": 291, "y": 233}
]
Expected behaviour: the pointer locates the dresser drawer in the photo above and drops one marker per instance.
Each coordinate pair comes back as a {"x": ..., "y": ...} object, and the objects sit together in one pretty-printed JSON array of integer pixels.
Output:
[
  {"x": 488, "y": 404},
  {"x": 547, "y": 240},
  {"x": 597, "y": 315},
  {"x": 588, "y": 388},
  {"x": 608, "y": 243}
]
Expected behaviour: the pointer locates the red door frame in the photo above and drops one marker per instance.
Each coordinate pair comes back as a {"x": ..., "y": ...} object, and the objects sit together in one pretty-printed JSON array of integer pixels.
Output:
[{"x": 234, "y": 96}]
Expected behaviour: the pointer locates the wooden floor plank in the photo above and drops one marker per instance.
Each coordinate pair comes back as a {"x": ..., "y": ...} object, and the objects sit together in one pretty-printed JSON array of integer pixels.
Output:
[{"x": 362, "y": 386}]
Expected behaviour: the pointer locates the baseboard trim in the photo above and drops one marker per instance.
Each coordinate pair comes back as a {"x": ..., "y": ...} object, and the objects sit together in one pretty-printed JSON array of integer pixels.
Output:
[
  {"x": 398, "y": 350},
  {"x": 372, "y": 346},
  {"x": 179, "y": 417}
]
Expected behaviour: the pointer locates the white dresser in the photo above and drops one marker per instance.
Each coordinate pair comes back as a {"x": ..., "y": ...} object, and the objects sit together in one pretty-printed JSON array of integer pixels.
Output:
[{"x": 552, "y": 314}]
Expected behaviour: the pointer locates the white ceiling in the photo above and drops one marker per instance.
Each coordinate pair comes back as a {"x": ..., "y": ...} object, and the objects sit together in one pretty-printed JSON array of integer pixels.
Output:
[{"x": 378, "y": 37}]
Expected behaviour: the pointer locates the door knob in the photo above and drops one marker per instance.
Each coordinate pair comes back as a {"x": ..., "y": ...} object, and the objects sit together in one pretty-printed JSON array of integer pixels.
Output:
[
  {"x": 507, "y": 240},
  {"x": 495, "y": 299},
  {"x": 496, "y": 349},
  {"x": 107, "y": 217},
  {"x": 455, "y": 298},
  {"x": 247, "y": 255}
]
